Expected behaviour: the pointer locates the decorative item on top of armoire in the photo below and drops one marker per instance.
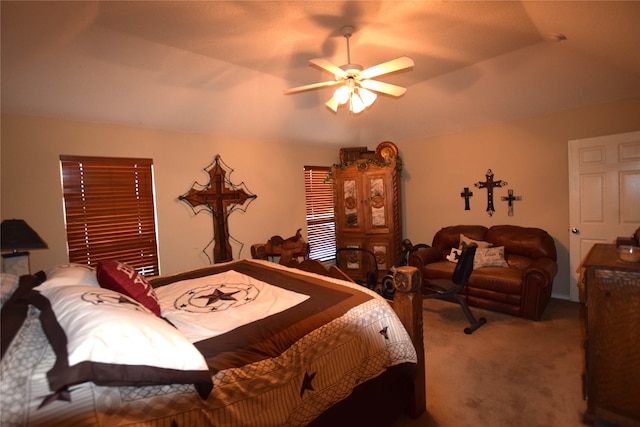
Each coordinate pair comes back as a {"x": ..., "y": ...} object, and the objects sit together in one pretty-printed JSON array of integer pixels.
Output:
[
  {"x": 351, "y": 154},
  {"x": 467, "y": 195},
  {"x": 220, "y": 197},
  {"x": 510, "y": 199},
  {"x": 490, "y": 184},
  {"x": 367, "y": 210}
]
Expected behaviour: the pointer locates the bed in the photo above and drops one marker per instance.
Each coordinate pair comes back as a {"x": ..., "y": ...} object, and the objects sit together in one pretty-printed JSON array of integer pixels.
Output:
[{"x": 106, "y": 347}]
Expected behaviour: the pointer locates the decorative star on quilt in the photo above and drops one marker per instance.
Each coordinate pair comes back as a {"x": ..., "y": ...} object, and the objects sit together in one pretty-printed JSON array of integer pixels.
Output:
[
  {"x": 306, "y": 383},
  {"x": 218, "y": 295},
  {"x": 384, "y": 332},
  {"x": 63, "y": 395}
]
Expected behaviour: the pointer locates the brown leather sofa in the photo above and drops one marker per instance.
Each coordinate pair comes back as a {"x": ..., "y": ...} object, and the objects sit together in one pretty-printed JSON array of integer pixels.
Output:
[{"x": 523, "y": 288}]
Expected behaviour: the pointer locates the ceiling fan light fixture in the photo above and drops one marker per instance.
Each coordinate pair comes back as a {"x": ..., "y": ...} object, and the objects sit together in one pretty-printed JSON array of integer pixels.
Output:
[
  {"x": 355, "y": 84},
  {"x": 342, "y": 94},
  {"x": 333, "y": 104},
  {"x": 368, "y": 97},
  {"x": 356, "y": 105}
]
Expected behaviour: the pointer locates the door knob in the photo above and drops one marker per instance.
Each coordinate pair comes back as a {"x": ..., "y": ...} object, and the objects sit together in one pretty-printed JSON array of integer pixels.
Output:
[{"x": 575, "y": 230}]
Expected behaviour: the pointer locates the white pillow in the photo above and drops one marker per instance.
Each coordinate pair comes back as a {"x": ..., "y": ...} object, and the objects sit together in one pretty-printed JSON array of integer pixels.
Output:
[
  {"x": 69, "y": 274},
  {"x": 490, "y": 257},
  {"x": 111, "y": 339}
]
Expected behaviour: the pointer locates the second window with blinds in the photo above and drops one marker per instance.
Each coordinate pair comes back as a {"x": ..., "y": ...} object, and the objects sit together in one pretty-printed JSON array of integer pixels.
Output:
[{"x": 321, "y": 228}]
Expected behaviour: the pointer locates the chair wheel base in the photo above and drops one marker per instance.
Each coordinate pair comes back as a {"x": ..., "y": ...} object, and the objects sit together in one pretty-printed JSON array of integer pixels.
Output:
[{"x": 471, "y": 329}]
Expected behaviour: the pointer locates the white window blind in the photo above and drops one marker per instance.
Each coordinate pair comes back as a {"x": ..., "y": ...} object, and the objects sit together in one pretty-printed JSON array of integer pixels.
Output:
[
  {"x": 321, "y": 227},
  {"x": 109, "y": 211}
]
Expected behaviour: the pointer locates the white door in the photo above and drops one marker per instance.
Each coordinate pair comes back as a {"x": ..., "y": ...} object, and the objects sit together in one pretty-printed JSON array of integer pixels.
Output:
[{"x": 604, "y": 196}]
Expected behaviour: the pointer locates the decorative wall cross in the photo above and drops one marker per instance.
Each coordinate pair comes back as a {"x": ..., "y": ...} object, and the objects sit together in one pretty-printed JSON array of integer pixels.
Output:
[
  {"x": 220, "y": 197},
  {"x": 489, "y": 184},
  {"x": 510, "y": 199},
  {"x": 467, "y": 195}
]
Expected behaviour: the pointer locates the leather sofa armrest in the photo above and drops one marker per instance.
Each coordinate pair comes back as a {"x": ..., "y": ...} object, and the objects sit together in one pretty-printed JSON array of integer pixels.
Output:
[
  {"x": 544, "y": 268},
  {"x": 424, "y": 256},
  {"x": 538, "y": 280}
]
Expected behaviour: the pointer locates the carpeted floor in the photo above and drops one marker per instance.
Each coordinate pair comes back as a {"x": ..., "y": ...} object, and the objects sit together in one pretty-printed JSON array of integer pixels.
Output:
[{"x": 510, "y": 372}]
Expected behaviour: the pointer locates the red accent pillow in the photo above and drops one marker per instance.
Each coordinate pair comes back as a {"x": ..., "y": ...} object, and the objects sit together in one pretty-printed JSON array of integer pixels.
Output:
[{"x": 123, "y": 278}]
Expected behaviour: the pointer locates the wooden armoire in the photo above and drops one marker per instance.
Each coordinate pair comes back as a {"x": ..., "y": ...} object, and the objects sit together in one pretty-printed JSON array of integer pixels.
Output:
[{"x": 366, "y": 191}]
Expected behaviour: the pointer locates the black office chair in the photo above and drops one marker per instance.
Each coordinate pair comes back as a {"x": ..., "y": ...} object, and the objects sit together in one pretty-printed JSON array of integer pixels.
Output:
[{"x": 450, "y": 288}]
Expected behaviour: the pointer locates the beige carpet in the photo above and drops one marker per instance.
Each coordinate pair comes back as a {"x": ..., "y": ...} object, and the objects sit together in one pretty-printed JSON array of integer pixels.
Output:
[{"x": 510, "y": 372}]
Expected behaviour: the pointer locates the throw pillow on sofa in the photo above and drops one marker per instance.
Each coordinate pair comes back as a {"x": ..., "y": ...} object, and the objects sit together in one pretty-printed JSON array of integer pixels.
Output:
[
  {"x": 467, "y": 241},
  {"x": 454, "y": 255},
  {"x": 490, "y": 257}
]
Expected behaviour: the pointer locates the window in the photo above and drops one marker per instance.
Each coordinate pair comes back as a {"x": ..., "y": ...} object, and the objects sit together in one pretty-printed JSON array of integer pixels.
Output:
[
  {"x": 321, "y": 227},
  {"x": 109, "y": 211}
]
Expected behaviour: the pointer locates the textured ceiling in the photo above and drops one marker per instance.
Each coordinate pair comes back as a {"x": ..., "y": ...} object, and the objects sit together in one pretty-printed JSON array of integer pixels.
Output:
[{"x": 221, "y": 67}]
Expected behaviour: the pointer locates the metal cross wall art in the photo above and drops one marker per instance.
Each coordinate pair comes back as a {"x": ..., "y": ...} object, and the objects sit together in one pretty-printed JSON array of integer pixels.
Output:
[
  {"x": 490, "y": 184},
  {"x": 467, "y": 195},
  {"x": 221, "y": 197},
  {"x": 510, "y": 199}
]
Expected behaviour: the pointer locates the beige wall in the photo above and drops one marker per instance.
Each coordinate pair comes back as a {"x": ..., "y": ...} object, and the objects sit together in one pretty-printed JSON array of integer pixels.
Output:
[
  {"x": 31, "y": 187},
  {"x": 531, "y": 155}
]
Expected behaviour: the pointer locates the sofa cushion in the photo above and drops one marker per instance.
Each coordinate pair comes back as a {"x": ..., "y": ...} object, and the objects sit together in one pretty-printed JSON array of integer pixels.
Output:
[
  {"x": 518, "y": 261},
  {"x": 439, "y": 270},
  {"x": 497, "y": 279},
  {"x": 528, "y": 242}
]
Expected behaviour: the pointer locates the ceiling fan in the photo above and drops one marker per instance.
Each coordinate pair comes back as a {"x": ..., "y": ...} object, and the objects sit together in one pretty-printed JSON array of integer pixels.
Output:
[{"x": 357, "y": 89}]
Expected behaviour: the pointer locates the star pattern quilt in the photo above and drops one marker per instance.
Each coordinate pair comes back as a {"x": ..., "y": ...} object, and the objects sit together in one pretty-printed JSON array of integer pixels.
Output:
[{"x": 310, "y": 343}]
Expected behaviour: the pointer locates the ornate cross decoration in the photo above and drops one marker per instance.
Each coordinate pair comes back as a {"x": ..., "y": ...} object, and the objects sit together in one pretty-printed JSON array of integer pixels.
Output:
[
  {"x": 489, "y": 184},
  {"x": 467, "y": 195},
  {"x": 510, "y": 199},
  {"x": 220, "y": 197}
]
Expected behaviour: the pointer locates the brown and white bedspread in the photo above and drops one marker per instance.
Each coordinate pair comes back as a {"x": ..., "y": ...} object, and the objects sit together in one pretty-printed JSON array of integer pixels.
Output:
[{"x": 302, "y": 353}]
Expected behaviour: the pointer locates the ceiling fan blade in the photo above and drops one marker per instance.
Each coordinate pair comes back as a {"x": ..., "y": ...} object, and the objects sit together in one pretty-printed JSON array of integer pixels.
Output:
[
  {"x": 386, "y": 88},
  {"x": 333, "y": 104},
  {"x": 387, "y": 67},
  {"x": 311, "y": 86},
  {"x": 328, "y": 66}
]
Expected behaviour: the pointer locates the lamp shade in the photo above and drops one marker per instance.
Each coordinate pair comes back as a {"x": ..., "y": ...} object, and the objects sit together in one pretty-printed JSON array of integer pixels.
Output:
[
  {"x": 16, "y": 235},
  {"x": 367, "y": 96},
  {"x": 356, "y": 105},
  {"x": 342, "y": 94}
]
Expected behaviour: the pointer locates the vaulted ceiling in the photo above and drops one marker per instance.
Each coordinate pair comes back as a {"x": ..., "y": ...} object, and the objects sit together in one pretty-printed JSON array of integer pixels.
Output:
[{"x": 220, "y": 67}]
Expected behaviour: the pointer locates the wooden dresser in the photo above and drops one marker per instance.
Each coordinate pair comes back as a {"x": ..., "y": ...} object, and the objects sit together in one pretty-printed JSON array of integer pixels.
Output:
[
  {"x": 367, "y": 215},
  {"x": 612, "y": 380}
]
